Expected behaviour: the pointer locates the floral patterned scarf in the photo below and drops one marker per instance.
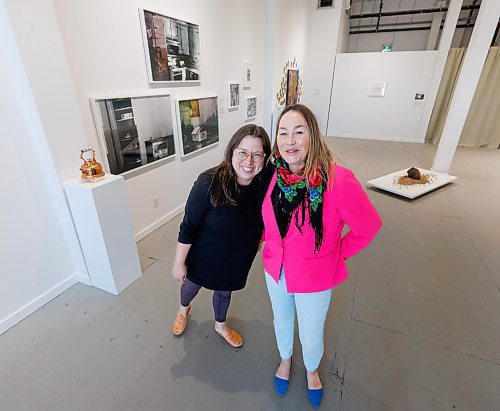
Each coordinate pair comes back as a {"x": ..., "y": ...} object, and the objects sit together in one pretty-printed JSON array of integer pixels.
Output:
[{"x": 291, "y": 197}]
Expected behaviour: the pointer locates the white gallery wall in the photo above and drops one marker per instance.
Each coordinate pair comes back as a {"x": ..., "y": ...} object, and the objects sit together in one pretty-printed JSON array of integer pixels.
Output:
[
  {"x": 40, "y": 255},
  {"x": 395, "y": 116},
  {"x": 36, "y": 262},
  {"x": 291, "y": 29},
  {"x": 283, "y": 46},
  {"x": 39, "y": 41},
  {"x": 322, "y": 42}
]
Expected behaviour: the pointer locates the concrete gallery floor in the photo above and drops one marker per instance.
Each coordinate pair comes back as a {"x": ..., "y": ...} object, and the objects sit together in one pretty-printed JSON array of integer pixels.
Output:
[{"x": 415, "y": 327}]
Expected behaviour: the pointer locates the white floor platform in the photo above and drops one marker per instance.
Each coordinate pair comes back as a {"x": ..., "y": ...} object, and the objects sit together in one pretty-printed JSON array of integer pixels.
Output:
[{"x": 389, "y": 183}]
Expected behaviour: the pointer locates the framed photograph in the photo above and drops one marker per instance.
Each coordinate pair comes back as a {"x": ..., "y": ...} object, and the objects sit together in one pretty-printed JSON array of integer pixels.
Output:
[
  {"x": 325, "y": 3},
  {"x": 251, "y": 108},
  {"x": 171, "y": 47},
  {"x": 134, "y": 131},
  {"x": 377, "y": 89},
  {"x": 292, "y": 86},
  {"x": 198, "y": 123},
  {"x": 234, "y": 95},
  {"x": 247, "y": 74}
]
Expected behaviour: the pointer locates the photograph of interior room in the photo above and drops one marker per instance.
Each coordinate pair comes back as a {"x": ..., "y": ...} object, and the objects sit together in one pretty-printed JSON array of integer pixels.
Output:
[{"x": 86, "y": 296}]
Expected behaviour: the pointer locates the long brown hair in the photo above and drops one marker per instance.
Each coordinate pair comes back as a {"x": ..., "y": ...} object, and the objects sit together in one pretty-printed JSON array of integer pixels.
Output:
[
  {"x": 319, "y": 154},
  {"x": 224, "y": 182}
]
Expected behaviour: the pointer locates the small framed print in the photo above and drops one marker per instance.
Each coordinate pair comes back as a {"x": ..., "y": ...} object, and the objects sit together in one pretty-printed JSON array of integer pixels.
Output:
[
  {"x": 251, "y": 108},
  {"x": 325, "y": 3},
  {"x": 233, "y": 95},
  {"x": 198, "y": 123},
  {"x": 247, "y": 74},
  {"x": 377, "y": 89}
]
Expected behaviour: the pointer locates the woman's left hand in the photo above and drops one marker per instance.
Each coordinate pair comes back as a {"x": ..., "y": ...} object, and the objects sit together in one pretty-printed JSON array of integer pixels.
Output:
[{"x": 179, "y": 272}]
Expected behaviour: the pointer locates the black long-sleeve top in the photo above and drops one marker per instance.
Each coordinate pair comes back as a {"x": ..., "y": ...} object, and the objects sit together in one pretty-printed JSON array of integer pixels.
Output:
[{"x": 224, "y": 239}]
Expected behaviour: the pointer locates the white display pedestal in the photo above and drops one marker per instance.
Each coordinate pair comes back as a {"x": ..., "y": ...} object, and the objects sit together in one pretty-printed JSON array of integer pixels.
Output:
[{"x": 102, "y": 220}]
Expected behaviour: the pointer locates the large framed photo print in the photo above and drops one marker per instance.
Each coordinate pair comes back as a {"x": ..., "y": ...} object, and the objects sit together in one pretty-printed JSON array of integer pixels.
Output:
[
  {"x": 134, "y": 131},
  {"x": 198, "y": 123},
  {"x": 234, "y": 95},
  {"x": 172, "y": 48},
  {"x": 251, "y": 108}
]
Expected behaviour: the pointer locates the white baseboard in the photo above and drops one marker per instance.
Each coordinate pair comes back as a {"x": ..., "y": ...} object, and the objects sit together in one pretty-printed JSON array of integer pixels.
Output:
[
  {"x": 357, "y": 136},
  {"x": 158, "y": 223},
  {"x": 35, "y": 304},
  {"x": 84, "y": 279}
]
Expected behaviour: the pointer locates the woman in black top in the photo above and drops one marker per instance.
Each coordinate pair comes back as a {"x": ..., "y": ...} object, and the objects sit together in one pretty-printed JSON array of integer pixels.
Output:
[{"x": 222, "y": 227}]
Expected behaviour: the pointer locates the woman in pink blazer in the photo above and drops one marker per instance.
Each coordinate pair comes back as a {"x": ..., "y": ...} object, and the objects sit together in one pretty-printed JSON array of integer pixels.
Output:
[{"x": 308, "y": 202}]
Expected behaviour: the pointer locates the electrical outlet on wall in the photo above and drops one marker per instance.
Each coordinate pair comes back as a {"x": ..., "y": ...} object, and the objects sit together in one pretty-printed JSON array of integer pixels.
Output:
[{"x": 156, "y": 202}]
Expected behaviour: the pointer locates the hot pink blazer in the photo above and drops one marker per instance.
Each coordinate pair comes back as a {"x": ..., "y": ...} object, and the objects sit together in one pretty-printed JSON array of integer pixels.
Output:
[{"x": 345, "y": 203}]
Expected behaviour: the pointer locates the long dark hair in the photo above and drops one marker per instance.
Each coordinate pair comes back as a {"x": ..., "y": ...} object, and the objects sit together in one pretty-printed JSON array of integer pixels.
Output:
[{"x": 224, "y": 187}]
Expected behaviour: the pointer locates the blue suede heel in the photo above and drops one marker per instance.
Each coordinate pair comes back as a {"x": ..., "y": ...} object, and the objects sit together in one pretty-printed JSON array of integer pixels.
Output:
[
  {"x": 280, "y": 385},
  {"x": 315, "y": 397}
]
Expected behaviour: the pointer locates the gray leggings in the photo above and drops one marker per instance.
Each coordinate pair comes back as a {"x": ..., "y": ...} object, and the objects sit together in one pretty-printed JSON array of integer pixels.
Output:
[{"x": 220, "y": 299}]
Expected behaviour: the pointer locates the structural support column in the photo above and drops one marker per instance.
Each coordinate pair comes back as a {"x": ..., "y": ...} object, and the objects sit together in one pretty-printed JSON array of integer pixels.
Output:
[
  {"x": 444, "y": 46},
  {"x": 470, "y": 73},
  {"x": 436, "y": 26}
]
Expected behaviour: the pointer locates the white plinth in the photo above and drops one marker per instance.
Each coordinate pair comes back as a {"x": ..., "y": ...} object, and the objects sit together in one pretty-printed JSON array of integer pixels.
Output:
[
  {"x": 102, "y": 220},
  {"x": 387, "y": 183}
]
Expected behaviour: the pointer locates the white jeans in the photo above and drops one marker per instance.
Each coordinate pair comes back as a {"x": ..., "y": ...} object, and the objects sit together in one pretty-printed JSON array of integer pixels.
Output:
[{"x": 311, "y": 314}]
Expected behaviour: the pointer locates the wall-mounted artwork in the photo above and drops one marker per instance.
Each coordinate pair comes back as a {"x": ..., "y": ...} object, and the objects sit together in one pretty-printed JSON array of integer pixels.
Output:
[
  {"x": 251, "y": 108},
  {"x": 247, "y": 75},
  {"x": 134, "y": 131},
  {"x": 172, "y": 48},
  {"x": 198, "y": 122},
  {"x": 234, "y": 95},
  {"x": 325, "y": 3},
  {"x": 377, "y": 89},
  {"x": 291, "y": 85}
]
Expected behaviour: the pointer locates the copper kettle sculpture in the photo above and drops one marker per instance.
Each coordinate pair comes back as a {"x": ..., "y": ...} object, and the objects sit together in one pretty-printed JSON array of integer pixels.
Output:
[{"x": 91, "y": 169}]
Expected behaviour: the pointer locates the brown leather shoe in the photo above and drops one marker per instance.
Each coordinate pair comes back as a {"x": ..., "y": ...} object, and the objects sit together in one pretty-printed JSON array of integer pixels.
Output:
[
  {"x": 232, "y": 337},
  {"x": 180, "y": 323}
]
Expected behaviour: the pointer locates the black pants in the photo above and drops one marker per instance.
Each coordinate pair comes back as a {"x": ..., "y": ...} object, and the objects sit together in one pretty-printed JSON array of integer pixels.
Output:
[{"x": 220, "y": 299}]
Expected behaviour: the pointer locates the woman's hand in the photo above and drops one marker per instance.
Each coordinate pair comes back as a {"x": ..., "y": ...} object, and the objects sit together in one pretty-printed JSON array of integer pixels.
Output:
[{"x": 179, "y": 271}]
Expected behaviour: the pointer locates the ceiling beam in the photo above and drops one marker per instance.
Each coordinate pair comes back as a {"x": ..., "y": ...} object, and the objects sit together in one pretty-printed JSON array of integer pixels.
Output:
[
  {"x": 460, "y": 26},
  {"x": 408, "y": 12}
]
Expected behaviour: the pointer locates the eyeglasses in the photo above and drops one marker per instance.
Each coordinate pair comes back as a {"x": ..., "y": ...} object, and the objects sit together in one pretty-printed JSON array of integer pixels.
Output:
[{"x": 242, "y": 154}]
